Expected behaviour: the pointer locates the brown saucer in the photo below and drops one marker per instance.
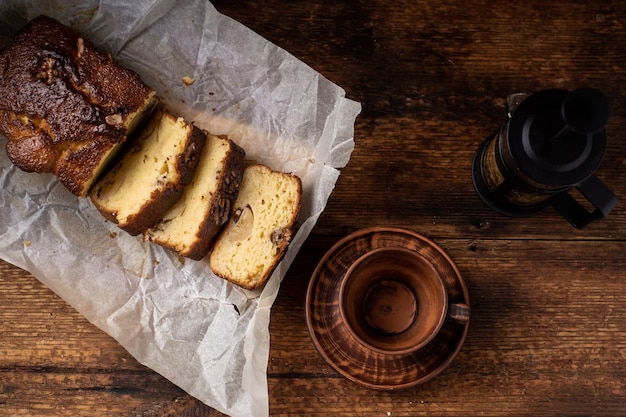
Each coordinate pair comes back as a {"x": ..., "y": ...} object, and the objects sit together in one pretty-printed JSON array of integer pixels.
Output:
[{"x": 337, "y": 345}]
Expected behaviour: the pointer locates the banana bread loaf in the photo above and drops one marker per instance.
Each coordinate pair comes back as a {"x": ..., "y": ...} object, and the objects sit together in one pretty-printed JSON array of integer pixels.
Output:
[
  {"x": 260, "y": 228},
  {"x": 191, "y": 225},
  {"x": 151, "y": 175},
  {"x": 65, "y": 107}
]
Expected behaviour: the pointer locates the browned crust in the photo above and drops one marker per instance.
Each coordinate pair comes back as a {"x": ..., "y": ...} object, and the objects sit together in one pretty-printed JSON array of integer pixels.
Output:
[
  {"x": 63, "y": 104},
  {"x": 104, "y": 211},
  {"x": 151, "y": 212},
  {"x": 189, "y": 158},
  {"x": 221, "y": 204}
]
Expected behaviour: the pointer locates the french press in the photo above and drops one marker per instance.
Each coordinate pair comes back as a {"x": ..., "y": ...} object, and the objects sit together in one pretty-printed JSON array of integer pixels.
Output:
[{"x": 552, "y": 142}]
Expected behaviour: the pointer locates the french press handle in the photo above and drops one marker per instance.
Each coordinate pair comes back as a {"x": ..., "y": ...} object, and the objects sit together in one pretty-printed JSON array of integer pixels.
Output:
[{"x": 594, "y": 190}]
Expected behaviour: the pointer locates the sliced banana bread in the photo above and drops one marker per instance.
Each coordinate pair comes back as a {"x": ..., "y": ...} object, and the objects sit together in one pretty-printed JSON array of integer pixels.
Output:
[
  {"x": 191, "y": 225},
  {"x": 260, "y": 228},
  {"x": 152, "y": 174}
]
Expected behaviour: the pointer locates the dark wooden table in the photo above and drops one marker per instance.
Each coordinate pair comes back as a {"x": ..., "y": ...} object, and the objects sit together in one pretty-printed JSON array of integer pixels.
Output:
[{"x": 548, "y": 328}]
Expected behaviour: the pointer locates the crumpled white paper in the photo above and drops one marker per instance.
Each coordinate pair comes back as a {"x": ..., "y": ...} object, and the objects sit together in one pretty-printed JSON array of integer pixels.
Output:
[{"x": 209, "y": 337}]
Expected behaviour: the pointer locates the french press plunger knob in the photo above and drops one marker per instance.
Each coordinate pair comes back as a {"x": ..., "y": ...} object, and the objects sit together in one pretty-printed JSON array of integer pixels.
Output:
[{"x": 552, "y": 142}]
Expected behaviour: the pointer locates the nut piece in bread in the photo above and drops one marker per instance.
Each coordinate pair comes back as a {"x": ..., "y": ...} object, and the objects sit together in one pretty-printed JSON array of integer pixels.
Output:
[
  {"x": 191, "y": 225},
  {"x": 65, "y": 107},
  {"x": 151, "y": 175},
  {"x": 261, "y": 226}
]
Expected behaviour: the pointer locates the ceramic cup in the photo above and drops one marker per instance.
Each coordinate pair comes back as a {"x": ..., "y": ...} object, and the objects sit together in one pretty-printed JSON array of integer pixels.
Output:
[{"x": 394, "y": 301}]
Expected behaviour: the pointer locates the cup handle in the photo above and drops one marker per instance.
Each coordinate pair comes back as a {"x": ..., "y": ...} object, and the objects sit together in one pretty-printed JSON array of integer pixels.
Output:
[
  {"x": 458, "y": 312},
  {"x": 595, "y": 192}
]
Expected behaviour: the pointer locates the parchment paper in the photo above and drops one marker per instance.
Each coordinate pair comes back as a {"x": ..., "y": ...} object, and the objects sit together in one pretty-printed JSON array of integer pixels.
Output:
[{"x": 209, "y": 337}]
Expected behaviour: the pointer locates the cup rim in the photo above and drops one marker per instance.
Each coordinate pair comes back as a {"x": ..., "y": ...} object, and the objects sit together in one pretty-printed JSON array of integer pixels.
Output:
[{"x": 342, "y": 288}]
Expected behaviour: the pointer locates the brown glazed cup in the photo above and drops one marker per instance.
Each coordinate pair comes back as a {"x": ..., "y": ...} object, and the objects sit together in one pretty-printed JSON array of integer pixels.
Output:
[{"x": 395, "y": 302}]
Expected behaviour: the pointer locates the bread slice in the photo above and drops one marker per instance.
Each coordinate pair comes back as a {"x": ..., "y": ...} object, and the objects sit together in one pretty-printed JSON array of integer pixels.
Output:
[
  {"x": 191, "y": 225},
  {"x": 260, "y": 228},
  {"x": 65, "y": 107},
  {"x": 151, "y": 176}
]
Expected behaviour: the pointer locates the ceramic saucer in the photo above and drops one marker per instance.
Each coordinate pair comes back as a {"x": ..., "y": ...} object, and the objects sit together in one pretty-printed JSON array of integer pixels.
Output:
[{"x": 335, "y": 342}]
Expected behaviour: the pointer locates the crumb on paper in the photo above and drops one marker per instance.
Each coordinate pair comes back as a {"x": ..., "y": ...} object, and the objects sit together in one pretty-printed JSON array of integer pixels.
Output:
[
  {"x": 27, "y": 243},
  {"x": 188, "y": 80},
  {"x": 156, "y": 262},
  {"x": 113, "y": 234}
]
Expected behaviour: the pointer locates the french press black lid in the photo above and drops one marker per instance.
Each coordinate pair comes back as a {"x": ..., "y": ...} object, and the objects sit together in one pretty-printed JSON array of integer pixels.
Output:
[
  {"x": 553, "y": 141},
  {"x": 557, "y": 138}
]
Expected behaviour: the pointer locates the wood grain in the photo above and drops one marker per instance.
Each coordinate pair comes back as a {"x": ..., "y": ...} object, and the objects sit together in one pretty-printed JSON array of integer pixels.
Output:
[{"x": 548, "y": 328}]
